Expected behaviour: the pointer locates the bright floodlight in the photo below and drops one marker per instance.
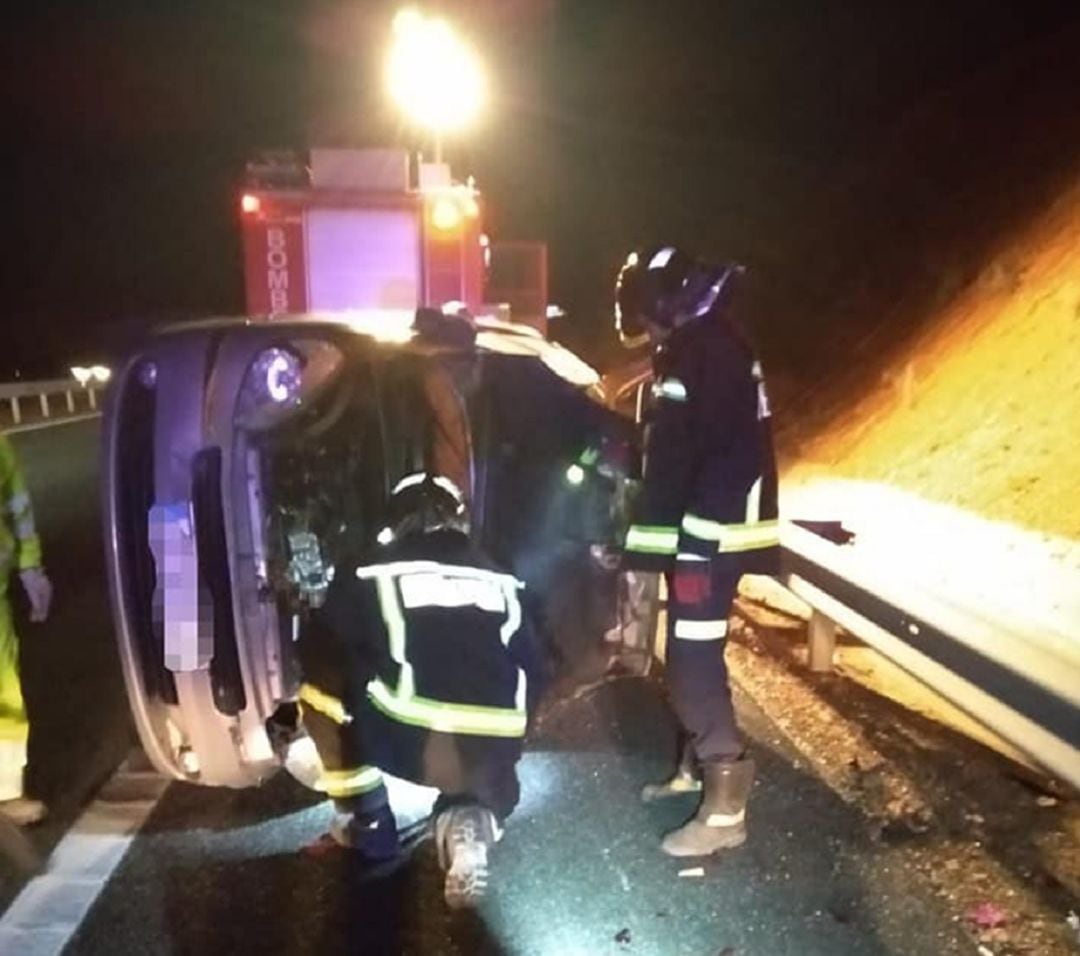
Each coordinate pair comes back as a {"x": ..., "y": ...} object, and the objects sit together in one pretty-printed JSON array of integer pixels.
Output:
[{"x": 433, "y": 76}]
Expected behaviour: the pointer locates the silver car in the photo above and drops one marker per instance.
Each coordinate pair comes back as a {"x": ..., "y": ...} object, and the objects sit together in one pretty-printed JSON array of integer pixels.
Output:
[{"x": 244, "y": 460}]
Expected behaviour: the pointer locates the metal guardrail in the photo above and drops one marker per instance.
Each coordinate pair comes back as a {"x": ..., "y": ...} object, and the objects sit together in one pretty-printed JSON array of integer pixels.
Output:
[
  {"x": 68, "y": 390},
  {"x": 1026, "y": 692}
]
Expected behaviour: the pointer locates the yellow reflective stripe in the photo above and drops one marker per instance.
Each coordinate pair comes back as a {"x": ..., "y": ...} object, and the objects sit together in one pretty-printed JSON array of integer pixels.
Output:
[
  {"x": 700, "y": 630},
  {"x": 349, "y": 783},
  {"x": 652, "y": 539},
  {"x": 733, "y": 537},
  {"x": 520, "y": 696},
  {"x": 433, "y": 589},
  {"x": 395, "y": 630},
  {"x": 324, "y": 703},
  {"x": 513, "y": 615},
  {"x": 448, "y": 718},
  {"x": 392, "y": 568},
  {"x": 753, "y": 503}
]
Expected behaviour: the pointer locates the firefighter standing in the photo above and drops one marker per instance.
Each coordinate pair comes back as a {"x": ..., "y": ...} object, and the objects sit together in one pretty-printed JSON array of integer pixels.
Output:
[
  {"x": 20, "y": 552},
  {"x": 706, "y": 515},
  {"x": 421, "y": 664}
]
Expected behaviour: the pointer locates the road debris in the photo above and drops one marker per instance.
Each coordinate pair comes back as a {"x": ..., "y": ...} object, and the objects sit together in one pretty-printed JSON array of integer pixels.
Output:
[
  {"x": 622, "y": 937},
  {"x": 987, "y": 916},
  {"x": 693, "y": 871}
]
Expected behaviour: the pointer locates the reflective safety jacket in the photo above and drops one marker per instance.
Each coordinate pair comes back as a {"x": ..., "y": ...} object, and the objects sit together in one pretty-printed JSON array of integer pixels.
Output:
[
  {"x": 439, "y": 658},
  {"x": 710, "y": 468},
  {"x": 20, "y": 546}
]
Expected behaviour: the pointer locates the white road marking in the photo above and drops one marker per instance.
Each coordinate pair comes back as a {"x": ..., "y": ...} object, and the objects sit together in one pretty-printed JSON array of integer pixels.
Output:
[
  {"x": 51, "y": 423},
  {"x": 50, "y": 908}
]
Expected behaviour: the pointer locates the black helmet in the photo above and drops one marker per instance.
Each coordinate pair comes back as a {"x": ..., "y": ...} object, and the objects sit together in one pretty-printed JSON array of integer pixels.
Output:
[
  {"x": 423, "y": 502},
  {"x": 662, "y": 288}
]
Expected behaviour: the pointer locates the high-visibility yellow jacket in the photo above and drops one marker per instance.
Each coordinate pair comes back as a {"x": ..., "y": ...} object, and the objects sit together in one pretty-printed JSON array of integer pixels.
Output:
[{"x": 20, "y": 546}]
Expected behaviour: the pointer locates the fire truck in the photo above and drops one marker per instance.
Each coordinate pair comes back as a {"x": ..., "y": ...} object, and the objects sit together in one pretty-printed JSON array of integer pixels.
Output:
[{"x": 373, "y": 229}]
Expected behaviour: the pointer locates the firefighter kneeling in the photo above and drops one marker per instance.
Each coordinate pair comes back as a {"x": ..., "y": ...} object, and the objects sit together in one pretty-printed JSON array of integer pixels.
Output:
[{"x": 422, "y": 664}]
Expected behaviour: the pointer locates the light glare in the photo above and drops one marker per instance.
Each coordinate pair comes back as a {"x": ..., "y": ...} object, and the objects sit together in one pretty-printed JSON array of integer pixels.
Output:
[{"x": 433, "y": 76}]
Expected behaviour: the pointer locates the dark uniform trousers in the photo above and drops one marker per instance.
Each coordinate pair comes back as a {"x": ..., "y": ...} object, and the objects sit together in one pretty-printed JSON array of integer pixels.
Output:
[
  {"x": 356, "y": 741},
  {"x": 700, "y": 597}
]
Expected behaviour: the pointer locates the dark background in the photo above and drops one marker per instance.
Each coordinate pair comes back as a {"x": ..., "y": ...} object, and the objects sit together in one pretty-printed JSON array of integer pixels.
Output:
[{"x": 853, "y": 154}]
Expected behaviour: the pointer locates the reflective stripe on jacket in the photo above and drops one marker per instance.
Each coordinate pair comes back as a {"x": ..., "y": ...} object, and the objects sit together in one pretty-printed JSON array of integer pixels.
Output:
[
  {"x": 710, "y": 485},
  {"x": 435, "y": 642}
]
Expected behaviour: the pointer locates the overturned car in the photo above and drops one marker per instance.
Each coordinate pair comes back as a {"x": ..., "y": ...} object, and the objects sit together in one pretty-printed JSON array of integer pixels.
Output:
[{"x": 244, "y": 460}]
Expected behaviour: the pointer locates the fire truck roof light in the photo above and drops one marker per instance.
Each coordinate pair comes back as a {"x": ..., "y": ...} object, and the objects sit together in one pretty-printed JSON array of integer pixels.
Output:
[
  {"x": 249, "y": 203},
  {"x": 445, "y": 214}
]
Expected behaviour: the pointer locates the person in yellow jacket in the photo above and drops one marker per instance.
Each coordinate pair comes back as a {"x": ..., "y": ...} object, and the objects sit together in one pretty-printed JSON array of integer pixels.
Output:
[{"x": 20, "y": 554}]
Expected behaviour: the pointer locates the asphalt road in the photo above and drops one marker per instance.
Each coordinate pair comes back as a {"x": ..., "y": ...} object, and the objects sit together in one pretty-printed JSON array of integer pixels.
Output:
[
  {"x": 578, "y": 872},
  {"x": 217, "y": 871},
  {"x": 79, "y": 724}
]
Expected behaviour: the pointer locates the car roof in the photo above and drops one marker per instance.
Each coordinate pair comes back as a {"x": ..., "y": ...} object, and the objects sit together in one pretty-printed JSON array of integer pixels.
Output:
[{"x": 394, "y": 328}]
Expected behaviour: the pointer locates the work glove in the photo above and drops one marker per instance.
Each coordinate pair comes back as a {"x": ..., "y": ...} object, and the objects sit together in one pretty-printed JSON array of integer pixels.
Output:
[{"x": 39, "y": 592}]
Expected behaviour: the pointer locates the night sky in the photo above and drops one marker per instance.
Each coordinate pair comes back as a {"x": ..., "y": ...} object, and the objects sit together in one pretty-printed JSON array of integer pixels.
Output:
[{"x": 720, "y": 124}]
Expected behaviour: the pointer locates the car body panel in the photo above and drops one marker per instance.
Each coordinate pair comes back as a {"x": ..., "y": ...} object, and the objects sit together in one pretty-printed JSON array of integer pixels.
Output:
[{"x": 227, "y": 508}]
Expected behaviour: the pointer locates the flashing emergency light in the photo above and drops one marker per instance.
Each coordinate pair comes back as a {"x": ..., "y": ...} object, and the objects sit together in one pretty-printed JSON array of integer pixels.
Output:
[
  {"x": 432, "y": 75},
  {"x": 446, "y": 214},
  {"x": 249, "y": 204}
]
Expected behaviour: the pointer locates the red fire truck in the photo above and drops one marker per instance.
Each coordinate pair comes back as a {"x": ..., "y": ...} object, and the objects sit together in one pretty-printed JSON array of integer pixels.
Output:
[{"x": 371, "y": 229}]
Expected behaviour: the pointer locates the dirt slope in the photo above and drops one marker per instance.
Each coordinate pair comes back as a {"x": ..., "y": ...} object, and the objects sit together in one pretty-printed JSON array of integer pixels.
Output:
[{"x": 981, "y": 410}]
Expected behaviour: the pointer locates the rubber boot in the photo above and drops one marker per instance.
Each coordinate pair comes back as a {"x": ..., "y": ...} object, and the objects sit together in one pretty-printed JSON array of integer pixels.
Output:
[
  {"x": 685, "y": 779},
  {"x": 720, "y": 821}
]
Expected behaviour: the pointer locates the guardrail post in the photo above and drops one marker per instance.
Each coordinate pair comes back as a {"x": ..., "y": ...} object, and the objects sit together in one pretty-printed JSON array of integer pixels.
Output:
[
  {"x": 93, "y": 400},
  {"x": 821, "y": 643},
  {"x": 43, "y": 398},
  {"x": 16, "y": 414},
  {"x": 70, "y": 401}
]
